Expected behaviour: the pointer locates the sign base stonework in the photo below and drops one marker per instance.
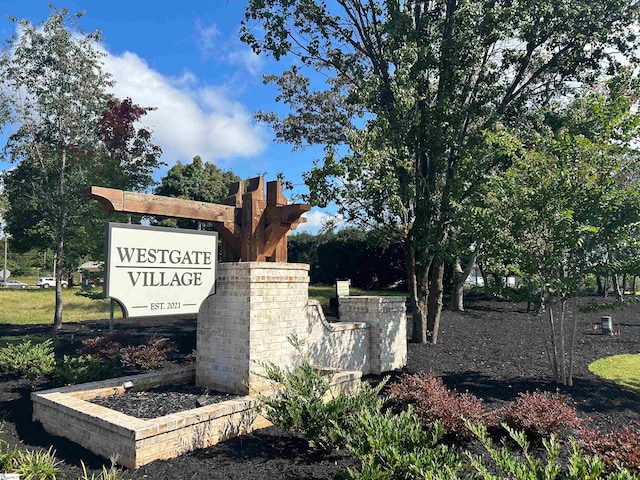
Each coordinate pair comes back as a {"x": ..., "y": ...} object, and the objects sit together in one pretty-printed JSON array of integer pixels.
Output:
[{"x": 257, "y": 306}]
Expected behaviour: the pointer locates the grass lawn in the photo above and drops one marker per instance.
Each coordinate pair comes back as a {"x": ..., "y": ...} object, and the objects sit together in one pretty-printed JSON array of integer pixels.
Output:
[
  {"x": 36, "y": 306},
  {"x": 622, "y": 369},
  {"x": 323, "y": 293}
]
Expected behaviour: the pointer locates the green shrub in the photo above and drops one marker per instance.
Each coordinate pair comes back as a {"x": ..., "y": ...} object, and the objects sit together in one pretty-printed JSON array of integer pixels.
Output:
[
  {"x": 27, "y": 359},
  {"x": 112, "y": 473},
  {"x": 37, "y": 465},
  {"x": 300, "y": 402},
  {"x": 389, "y": 446},
  {"x": 524, "y": 465},
  {"x": 85, "y": 368}
]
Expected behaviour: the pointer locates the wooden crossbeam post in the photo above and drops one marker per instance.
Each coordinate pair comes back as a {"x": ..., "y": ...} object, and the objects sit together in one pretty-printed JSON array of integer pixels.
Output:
[{"x": 253, "y": 228}]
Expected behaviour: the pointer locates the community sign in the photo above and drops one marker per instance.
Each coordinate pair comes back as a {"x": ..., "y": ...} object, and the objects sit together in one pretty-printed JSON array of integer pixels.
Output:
[{"x": 160, "y": 271}]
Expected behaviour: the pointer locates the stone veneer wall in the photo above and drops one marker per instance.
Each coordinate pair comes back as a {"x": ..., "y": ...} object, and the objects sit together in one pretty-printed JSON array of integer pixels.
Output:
[
  {"x": 387, "y": 318},
  {"x": 257, "y": 305}
]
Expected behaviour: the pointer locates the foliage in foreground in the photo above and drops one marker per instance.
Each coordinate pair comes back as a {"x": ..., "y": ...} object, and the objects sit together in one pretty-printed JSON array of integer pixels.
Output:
[
  {"x": 433, "y": 401},
  {"x": 112, "y": 473},
  {"x": 409, "y": 444},
  {"x": 84, "y": 369},
  {"x": 619, "y": 447},
  {"x": 526, "y": 466},
  {"x": 300, "y": 401},
  {"x": 389, "y": 446},
  {"x": 28, "y": 359}
]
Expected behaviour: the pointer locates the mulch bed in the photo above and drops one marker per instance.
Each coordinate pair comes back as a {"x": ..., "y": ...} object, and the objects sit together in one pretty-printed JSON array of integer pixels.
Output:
[
  {"x": 160, "y": 401},
  {"x": 493, "y": 350}
]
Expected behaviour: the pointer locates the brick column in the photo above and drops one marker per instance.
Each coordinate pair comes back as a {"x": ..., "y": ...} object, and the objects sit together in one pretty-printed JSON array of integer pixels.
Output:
[
  {"x": 388, "y": 320},
  {"x": 256, "y": 306}
]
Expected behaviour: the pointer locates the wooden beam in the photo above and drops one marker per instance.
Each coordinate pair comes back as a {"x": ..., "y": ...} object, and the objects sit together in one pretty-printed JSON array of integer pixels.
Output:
[{"x": 142, "y": 204}]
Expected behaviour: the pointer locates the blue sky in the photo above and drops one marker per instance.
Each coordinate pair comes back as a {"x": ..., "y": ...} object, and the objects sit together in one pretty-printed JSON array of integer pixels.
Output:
[{"x": 186, "y": 59}]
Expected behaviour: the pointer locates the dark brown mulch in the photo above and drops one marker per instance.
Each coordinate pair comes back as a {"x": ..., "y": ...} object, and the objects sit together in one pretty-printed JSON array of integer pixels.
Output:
[
  {"x": 494, "y": 350},
  {"x": 159, "y": 401}
]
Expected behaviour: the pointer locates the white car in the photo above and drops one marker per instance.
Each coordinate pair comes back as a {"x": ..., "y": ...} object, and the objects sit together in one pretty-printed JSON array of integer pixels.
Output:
[{"x": 46, "y": 282}]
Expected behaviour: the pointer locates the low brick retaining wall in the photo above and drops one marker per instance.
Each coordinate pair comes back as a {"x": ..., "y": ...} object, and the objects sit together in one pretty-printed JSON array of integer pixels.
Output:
[{"x": 133, "y": 441}]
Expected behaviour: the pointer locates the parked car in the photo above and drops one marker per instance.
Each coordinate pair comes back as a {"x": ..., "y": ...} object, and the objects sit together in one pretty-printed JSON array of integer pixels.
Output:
[
  {"x": 12, "y": 284},
  {"x": 46, "y": 282}
]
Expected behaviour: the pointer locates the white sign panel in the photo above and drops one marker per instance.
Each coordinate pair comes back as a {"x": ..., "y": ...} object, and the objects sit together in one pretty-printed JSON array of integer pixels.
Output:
[{"x": 160, "y": 271}]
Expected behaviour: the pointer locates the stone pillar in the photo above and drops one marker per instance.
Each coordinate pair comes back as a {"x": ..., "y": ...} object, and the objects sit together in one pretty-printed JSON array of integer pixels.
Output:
[
  {"x": 257, "y": 305},
  {"x": 387, "y": 317}
]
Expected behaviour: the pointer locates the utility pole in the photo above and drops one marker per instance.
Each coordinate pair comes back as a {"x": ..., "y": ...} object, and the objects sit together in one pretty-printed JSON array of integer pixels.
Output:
[{"x": 4, "y": 271}]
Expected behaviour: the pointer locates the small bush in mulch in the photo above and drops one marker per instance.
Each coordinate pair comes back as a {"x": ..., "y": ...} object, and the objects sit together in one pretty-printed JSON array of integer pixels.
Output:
[
  {"x": 149, "y": 356},
  {"x": 621, "y": 446},
  {"x": 85, "y": 368},
  {"x": 539, "y": 413},
  {"x": 26, "y": 359},
  {"x": 433, "y": 401},
  {"x": 100, "y": 347}
]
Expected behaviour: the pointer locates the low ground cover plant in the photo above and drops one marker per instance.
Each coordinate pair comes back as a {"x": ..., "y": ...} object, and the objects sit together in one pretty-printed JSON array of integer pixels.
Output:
[
  {"x": 98, "y": 359},
  {"x": 148, "y": 356},
  {"x": 300, "y": 401},
  {"x": 619, "y": 447},
  {"x": 409, "y": 444},
  {"x": 28, "y": 359},
  {"x": 539, "y": 414},
  {"x": 521, "y": 464},
  {"x": 433, "y": 401}
]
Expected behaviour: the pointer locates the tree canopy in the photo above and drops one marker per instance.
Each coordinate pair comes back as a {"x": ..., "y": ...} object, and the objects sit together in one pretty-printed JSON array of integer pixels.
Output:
[
  {"x": 412, "y": 90},
  {"x": 204, "y": 182},
  {"x": 70, "y": 134}
]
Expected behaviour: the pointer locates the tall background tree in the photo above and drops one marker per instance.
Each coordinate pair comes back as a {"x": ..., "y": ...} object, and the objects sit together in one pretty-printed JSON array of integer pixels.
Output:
[
  {"x": 412, "y": 88},
  {"x": 204, "y": 182},
  {"x": 70, "y": 134},
  {"x": 567, "y": 202}
]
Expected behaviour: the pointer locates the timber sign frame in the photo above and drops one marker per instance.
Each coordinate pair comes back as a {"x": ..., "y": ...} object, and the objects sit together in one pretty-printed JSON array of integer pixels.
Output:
[{"x": 254, "y": 228}]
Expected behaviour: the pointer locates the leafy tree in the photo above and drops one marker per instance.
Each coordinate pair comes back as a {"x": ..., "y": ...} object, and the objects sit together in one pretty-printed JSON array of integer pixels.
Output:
[
  {"x": 412, "y": 87},
  {"x": 567, "y": 202},
  {"x": 66, "y": 140},
  {"x": 203, "y": 182}
]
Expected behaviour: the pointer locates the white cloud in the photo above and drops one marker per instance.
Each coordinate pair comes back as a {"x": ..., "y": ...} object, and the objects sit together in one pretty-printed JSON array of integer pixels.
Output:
[
  {"x": 316, "y": 219},
  {"x": 190, "y": 119},
  {"x": 205, "y": 38},
  {"x": 230, "y": 50}
]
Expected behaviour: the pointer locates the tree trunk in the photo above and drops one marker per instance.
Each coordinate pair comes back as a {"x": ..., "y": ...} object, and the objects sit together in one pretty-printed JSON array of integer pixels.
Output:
[
  {"x": 434, "y": 307},
  {"x": 563, "y": 369},
  {"x": 633, "y": 285},
  {"x": 457, "y": 297},
  {"x": 459, "y": 278},
  {"x": 600, "y": 290},
  {"x": 418, "y": 292},
  {"x": 573, "y": 342},
  {"x": 615, "y": 282},
  {"x": 58, "y": 274},
  {"x": 59, "y": 255},
  {"x": 554, "y": 345}
]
